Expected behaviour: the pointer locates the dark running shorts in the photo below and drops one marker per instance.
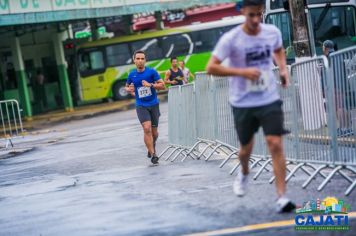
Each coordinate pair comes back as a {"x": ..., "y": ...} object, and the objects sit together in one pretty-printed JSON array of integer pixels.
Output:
[
  {"x": 148, "y": 114},
  {"x": 248, "y": 120}
]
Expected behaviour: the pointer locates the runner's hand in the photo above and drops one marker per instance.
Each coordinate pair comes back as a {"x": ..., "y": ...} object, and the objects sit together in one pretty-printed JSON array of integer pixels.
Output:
[
  {"x": 251, "y": 73},
  {"x": 284, "y": 78},
  {"x": 174, "y": 82},
  {"x": 130, "y": 88},
  {"x": 145, "y": 83}
]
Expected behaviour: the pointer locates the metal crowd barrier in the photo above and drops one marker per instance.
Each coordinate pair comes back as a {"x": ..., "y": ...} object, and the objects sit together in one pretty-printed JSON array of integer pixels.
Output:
[
  {"x": 319, "y": 109},
  {"x": 11, "y": 123},
  {"x": 214, "y": 126},
  {"x": 182, "y": 118}
]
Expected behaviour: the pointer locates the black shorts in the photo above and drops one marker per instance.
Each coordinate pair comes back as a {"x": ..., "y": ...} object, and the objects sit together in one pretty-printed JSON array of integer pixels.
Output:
[
  {"x": 248, "y": 121},
  {"x": 151, "y": 113}
]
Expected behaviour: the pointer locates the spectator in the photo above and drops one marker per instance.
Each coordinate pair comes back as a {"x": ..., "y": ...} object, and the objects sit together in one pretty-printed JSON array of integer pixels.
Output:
[
  {"x": 186, "y": 72},
  {"x": 174, "y": 76}
]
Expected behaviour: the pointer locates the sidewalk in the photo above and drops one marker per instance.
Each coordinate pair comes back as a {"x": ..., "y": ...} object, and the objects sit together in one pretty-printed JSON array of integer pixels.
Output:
[
  {"x": 38, "y": 130},
  {"x": 83, "y": 112}
]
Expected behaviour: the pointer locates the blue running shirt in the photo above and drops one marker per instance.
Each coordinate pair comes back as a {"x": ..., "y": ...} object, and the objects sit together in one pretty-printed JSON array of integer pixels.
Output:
[{"x": 145, "y": 96}]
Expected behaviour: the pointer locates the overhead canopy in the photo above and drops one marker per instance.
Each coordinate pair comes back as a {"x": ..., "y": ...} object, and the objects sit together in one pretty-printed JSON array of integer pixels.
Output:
[{"x": 16, "y": 12}]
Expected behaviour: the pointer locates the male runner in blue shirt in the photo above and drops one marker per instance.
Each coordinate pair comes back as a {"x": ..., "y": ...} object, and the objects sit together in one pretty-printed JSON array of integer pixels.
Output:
[{"x": 143, "y": 82}]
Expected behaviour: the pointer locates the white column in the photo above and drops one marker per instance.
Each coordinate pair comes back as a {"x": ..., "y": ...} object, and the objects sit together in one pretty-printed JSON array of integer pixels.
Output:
[{"x": 17, "y": 54}]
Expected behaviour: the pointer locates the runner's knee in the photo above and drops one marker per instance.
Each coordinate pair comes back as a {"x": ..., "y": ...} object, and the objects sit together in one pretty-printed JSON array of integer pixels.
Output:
[
  {"x": 274, "y": 144},
  {"x": 147, "y": 129}
]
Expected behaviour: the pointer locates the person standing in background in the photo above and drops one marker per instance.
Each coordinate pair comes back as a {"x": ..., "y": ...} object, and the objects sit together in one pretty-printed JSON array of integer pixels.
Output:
[
  {"x": 174, "y": 76},
  {"x": 186, "y": 72}
]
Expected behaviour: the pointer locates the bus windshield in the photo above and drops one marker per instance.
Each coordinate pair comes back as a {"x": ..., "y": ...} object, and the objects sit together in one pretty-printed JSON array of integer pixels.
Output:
[{"x": 336, "y": 23}]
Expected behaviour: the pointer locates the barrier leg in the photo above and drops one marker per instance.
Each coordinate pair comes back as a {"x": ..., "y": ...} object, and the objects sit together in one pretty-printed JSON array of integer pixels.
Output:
[
  {"x": 271, "y": 180},
  {"x": 228, "y": 158},
  {"x": 314, "y": 168},
  {"x": 293, "y": 171},
  {"x": 169, "y": 156},
  {"x": 308, "y": 181},
  {"x": 345, "y": 176},
  {"x": 322, "y": 185},
  {"x": 256, "y": 162},
  {"x": 225, "y": 151},
  {"x": 212, "y": 152},
  {"x": 176, "y": 156},
  {"x": 306, "y": 171},
  {"x": 193, "y": 148},
  {"x": 235, "y": 167},
  {"x": 349, "y": 189},
  {"x": 185, "y": 156},
  {"x": 164, "y": 151},
  {"x": 261, "y": 169},
  {"x": 189, "y": 154},
  {"x": 204, "y": 150}
]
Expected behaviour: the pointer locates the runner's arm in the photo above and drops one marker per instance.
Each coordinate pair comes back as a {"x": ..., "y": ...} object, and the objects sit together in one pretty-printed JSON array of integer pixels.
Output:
[
  {"x": 130, "y": 88},
  {"x": 280, "y": 59},
  {"x": 214, "y": 67},
  {"x": 159, "y": 85},
  {"x": 166, "y": 78}
]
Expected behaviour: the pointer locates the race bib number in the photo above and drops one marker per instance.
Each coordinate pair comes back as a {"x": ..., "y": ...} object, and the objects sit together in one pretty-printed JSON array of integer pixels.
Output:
[
  {"x": 144, "y": 92},
  {"x": 259, "y": 85}
]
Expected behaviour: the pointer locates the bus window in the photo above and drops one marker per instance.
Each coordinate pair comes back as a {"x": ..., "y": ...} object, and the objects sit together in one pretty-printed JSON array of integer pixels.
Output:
[
  {"x": 151, "y": 47},
  {"x": 338, "y": 25},
  {"x": 278, "y": 4},
  {"x": 283, "y": 22},
  {"x": 118, "y": 54},
  {"x": 90, "y": 62},
  {"x": 176, "y": 45},
  {"x": 205, "y": 40}
]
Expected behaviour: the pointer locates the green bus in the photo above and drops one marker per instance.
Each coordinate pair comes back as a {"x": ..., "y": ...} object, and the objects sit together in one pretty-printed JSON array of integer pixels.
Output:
[{"x": 104, "y": 65}]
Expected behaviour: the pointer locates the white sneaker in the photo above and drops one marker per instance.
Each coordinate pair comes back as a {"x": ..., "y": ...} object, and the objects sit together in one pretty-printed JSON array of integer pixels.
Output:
[
  {"x": 240, "y": 185},
  {"x": 284, "y": 205}
]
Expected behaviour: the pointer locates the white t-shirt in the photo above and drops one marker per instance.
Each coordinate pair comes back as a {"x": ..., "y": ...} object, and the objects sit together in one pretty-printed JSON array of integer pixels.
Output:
[
  {"x": 186, "y": 74},
  {"x": 244, "y": 51}
]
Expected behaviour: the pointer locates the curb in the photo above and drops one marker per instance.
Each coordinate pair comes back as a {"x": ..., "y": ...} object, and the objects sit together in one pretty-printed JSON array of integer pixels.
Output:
[{"x": 81, "y": 115}]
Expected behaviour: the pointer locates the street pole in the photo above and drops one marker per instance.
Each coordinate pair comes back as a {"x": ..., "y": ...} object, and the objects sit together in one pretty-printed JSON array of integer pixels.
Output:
[
  {"x": 127, "y": 19},
  {"x": 158, "y": 16},
  {"x": 301, "y": 41}
]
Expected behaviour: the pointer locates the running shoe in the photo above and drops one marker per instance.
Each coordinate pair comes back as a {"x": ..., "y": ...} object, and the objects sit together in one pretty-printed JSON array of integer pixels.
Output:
[
  {"x": 154, "y": 158},
  {"x": 148, "y": 153},
  {"x": 240, "y": 185},
  {"x": 284, "y": 205}
]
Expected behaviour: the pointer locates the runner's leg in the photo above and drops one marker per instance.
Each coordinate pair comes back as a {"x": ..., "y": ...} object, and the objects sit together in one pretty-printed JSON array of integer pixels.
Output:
[
  {"x": 155, "y": 114},
  {"x": 244, "y": 156},
  {"x": 148, "y": 138},
  {"x": 154, "y": 136},
  {"x": 275, "y": 147}
]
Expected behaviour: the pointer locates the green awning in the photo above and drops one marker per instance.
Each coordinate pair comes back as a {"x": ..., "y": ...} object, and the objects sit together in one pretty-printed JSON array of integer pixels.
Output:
[{"x": 17, "y": 12}]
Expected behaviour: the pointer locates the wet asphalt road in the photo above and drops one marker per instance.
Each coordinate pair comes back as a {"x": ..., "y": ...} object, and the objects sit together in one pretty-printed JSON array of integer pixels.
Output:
[{"x": 91, "y": 177}]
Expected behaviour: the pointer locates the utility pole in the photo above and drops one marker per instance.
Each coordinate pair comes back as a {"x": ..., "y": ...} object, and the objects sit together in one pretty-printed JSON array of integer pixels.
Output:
[
  {"x": 301, "y": 42},
  {"x": 94, "y": 29},
  {"x": 158, "y": 16}
]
